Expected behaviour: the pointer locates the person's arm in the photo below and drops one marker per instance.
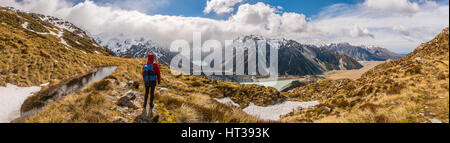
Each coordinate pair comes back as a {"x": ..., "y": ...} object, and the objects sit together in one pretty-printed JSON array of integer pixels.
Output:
[{"x": 158, "y": 73}]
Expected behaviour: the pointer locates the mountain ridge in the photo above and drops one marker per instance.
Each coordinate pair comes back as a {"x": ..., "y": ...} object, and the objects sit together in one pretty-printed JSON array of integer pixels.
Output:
[{"x": 363, "y": 53}]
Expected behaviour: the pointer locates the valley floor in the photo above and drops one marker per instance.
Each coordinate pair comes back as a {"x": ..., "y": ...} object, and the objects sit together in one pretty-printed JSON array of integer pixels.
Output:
[{"x": 352, "y": 74}]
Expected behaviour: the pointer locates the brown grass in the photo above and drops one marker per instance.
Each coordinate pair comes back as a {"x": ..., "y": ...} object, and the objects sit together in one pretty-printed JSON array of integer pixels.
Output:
[{"x": 413, "y": 89}]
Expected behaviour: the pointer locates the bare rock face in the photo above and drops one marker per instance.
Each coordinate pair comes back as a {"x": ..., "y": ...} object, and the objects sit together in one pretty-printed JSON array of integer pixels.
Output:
[{"x": 127, "y": 100}]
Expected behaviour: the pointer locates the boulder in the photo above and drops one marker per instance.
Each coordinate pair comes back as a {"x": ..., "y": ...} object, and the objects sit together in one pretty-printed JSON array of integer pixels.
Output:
[
  {"x": 299, "y": 83},
  {"x": 122, "y": 84},
  {"x": 127, "y": 100},
  {"x": 133, "y": 84}
]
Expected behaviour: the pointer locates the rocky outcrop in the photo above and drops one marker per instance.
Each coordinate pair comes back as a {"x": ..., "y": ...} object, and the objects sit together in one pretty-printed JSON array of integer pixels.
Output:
[
  {"x": 299, "y": 83},
  {"x": 127, "y": 100}
]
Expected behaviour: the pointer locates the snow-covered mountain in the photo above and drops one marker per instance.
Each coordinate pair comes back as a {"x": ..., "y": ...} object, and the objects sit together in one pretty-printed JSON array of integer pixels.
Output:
[
  {"x": 136, "y": 48},
  {"x": 301, "y": 59},
  {"x": 363, "y": 53}
]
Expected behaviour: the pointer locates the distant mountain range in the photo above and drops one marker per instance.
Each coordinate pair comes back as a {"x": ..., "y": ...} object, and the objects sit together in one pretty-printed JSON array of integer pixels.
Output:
[
  {"x": 136, "y": 48},
  {"x": 363, "y": 53},
  {"x": 301, "y": 59},
  {"x": 294, "y": 58}
]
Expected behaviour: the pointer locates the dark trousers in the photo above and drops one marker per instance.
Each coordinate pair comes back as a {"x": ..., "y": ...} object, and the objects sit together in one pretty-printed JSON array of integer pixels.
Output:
[{"x": 150, "y": 87}]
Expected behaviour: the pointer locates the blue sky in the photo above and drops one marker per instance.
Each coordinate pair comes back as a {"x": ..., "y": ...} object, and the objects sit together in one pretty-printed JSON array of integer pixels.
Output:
[{"x": 194, "y": 8}]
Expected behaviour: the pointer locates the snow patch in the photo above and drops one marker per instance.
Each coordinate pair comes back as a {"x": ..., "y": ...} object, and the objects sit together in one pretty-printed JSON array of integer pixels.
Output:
[
  {"x": 64, "y": 42},
  {"x": 83, "y": 52},
  {"x": 25, "y": 25},
  {"x": 45, "y": 84},
  {"x": 98, "y": 52},
  {"x": 435, "y": 120},
  {"x": 227, "y": 101},
  {"x": 11, "y": 98},
  {"x": 273, "y": 112}
]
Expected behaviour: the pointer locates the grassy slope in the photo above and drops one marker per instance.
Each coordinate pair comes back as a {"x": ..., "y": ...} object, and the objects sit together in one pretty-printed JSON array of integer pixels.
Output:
[
  {"x": 185, "y": 102},
  {"x": 412, "y": 89},
  {"x": 31, "y": 59}
]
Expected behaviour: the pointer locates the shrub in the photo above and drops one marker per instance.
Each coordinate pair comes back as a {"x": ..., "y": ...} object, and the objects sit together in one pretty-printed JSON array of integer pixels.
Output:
[
  {"x": 103, "y": 85},
  {"x": 94, "y": 99}
]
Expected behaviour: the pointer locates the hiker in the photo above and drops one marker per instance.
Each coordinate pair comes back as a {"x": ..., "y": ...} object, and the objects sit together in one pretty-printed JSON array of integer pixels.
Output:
[{"x": 151, "y": 74}]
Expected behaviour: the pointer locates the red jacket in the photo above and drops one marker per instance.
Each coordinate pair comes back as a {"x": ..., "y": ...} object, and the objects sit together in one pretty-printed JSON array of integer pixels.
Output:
[{"x": 155, "y": 67}]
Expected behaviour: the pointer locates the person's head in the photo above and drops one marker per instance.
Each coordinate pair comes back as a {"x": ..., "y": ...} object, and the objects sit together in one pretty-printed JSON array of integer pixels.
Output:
[{"x": 151, "y": 58}]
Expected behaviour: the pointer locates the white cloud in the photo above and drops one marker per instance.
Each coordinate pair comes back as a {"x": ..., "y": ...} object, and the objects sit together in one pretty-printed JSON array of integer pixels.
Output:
[
  {"x": 110, "y": 22},
  {"x": 280, "y": 7},
  {"x": 356, "y": 23},
  {"x": 401, "y": 29},
  {"x": 220, "y": 6},
  {"x": 357, "y": 31},
  {"x": 37, "y": 6},
  {"x": 403, "y": 6},
  {"x": 338, "y": 20}
]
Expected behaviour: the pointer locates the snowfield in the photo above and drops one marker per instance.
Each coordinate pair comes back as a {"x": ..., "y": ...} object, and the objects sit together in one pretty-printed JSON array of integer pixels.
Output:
[
  {"x": 273, "y": 112},
  {"x": 11, "y": 99},
  {"x": 227, "y": 101}
]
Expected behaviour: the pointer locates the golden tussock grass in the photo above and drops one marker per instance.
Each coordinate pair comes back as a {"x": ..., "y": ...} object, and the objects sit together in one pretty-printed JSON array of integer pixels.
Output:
[{"x": 413, "y": 89}]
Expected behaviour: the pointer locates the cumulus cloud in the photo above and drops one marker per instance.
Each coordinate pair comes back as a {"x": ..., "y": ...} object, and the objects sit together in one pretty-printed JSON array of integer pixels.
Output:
[
  {"x": 357, "y": 24},
  {"x": 401, "y": 29},
  {"x": 337, "y": 21},
  {"x": 37, "y": 6},
  {"x": 220, "y": 6},
  {"x": 403, "y": 6},
  {"x": 110, "y": 22},
  {"x": 357, "y": 31}
]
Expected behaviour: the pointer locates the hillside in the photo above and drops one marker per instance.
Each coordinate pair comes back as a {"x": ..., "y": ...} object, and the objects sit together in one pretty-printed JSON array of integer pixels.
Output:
[
  {"x": 33, "y": 54},
  {"x": 363, "y": 53},
  {"x": 412, "y": 89},
  {"x": 35, "y": 51}
]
